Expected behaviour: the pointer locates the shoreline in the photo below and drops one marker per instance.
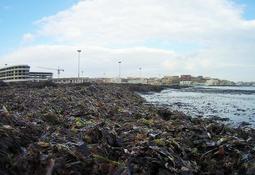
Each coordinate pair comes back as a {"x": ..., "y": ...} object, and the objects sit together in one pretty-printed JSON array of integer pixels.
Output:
[
  {"x": 236, "y": 106},
  {"x": 109, "y": 129}
]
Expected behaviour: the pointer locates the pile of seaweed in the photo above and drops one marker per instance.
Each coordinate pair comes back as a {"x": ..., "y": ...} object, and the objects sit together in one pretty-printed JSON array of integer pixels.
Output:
[{"x": 109, "y": 129}]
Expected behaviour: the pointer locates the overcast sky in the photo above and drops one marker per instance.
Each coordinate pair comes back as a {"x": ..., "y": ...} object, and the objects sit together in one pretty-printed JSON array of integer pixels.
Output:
[{"x": 164, "y": 37}]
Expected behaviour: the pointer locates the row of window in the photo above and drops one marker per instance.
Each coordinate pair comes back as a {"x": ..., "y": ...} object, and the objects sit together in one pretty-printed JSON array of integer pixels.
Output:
[
  {"x": 15, "y": 68},
  {"x": 14, "y": 78},
  {"x": 22, "y": 72},
  {"x": 13, "y": 75}
]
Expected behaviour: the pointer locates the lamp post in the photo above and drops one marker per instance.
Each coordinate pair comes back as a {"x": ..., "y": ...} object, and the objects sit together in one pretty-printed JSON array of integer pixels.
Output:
[
  {"x": 119, "y": 69},
  {"x": 140, "y": 72},
  {"x": 79, "y": 55}
]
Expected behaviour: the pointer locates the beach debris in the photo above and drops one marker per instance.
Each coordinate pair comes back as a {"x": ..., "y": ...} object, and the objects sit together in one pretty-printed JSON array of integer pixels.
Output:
[{"x": 110, "y": 129}]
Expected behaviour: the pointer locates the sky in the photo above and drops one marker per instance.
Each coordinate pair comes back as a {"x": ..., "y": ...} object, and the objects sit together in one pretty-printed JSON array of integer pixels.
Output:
[{"x": 213, "y": 38}]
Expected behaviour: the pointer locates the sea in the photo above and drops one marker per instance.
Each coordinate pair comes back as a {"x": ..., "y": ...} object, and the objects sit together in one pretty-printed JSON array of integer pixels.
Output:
[{"x": 232, "y": 102}]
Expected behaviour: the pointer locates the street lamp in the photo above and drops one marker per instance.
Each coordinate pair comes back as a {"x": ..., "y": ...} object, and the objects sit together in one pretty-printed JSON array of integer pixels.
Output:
[
  {"x": 79, "y": 55},
  {"x": 140, "y": 72},
  {"x": 119, "y": 69}
]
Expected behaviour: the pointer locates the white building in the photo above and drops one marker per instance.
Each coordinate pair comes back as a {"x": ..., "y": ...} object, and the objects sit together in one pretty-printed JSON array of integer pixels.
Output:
[
  {"x": 212, "y": 82},
  {"x": 22, "y": 73},
  {"x": 185, "y": 83},
  {"x": 71, "y": 80},
  {"x": 154, "y": 81},
  {"x": 39, "y": 76},
  {"x": 132, "y": 80},
  {"x": 116, "y": 80}
]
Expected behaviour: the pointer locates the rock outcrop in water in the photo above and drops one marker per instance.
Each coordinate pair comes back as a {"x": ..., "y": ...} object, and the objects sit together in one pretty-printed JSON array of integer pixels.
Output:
[{"x": 109, "y": 129}]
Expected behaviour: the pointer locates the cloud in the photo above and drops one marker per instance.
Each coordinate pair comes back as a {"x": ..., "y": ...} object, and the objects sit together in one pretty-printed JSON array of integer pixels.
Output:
[
  {"x": 115, "y": 22},
  {"x": 28, "y": 37},
  {"x": 109, "y": 30},
  {"x": 100, "y": 61},
  {"x": 95, "y": 61}
]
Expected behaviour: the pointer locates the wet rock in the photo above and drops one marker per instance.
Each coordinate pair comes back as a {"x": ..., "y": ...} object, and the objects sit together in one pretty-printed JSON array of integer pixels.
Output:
[
  {"x": 243, "y": 124},
  {"x": 217, "y": 118},
  {"x": 240, "y": 110},
  {"x": 165, "y": 114}
]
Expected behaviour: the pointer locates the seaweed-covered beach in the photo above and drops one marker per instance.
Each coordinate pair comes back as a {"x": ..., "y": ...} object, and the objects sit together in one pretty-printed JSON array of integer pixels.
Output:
[{"x": 109, "y": 129}]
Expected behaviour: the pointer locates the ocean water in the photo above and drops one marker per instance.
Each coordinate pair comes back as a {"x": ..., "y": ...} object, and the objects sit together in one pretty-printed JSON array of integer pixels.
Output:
[{"x": 235, "y": 103}]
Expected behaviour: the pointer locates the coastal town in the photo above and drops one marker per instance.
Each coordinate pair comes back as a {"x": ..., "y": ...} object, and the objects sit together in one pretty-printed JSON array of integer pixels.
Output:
[
  {"x": 182, "y": 80},
  {"x": 18, "y": 73},
  {"x": 127, "y": 87}
]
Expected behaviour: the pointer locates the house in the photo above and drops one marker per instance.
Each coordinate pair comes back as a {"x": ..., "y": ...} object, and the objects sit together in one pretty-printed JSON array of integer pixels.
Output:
[
  {"x": 212, "y": 82},
  {"x": 185, "y": 83},
  {"x": 170, "y": 80},
  {"x": 133, "y": 80}
]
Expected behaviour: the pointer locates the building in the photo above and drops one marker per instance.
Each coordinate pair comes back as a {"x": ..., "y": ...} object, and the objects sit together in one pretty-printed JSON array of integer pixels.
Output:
[
  {"x": 22, "y": 73},
  {"x": 102, "y": 80},
  {"x": 226, "y": 83},
  {"x": 40, "y": 75},
  {"x": 212, "y": 82},
  {"x": 186, "y": 78},
  {"x": 185, "y": 83},
  {"x": 154, "y": 81},
  {"x": 15, "y": 73},
  {"x": 170, "y": 80},
  {"x": 198, "y": 79},
  {"x": 133, "y": 80},
  {"x": 116, "y": 80},
  {"x": 71, "y": 80}
]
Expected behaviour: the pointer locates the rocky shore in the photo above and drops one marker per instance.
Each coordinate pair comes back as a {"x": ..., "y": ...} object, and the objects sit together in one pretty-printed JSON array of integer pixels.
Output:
[{"x": 109, "y": 129}]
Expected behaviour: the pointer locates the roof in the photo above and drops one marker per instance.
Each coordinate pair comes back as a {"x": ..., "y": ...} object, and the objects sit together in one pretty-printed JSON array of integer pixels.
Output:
[{"x": 20, "y": 65}]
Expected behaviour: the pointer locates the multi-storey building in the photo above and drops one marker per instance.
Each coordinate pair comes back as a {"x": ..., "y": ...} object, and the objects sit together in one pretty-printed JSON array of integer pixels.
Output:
[
  {"x": 40, "y": 75},
  {"x": 15, "y": 73},
  {"x": 22, "y": 73},
  {"x": 71, "y": 80}
]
